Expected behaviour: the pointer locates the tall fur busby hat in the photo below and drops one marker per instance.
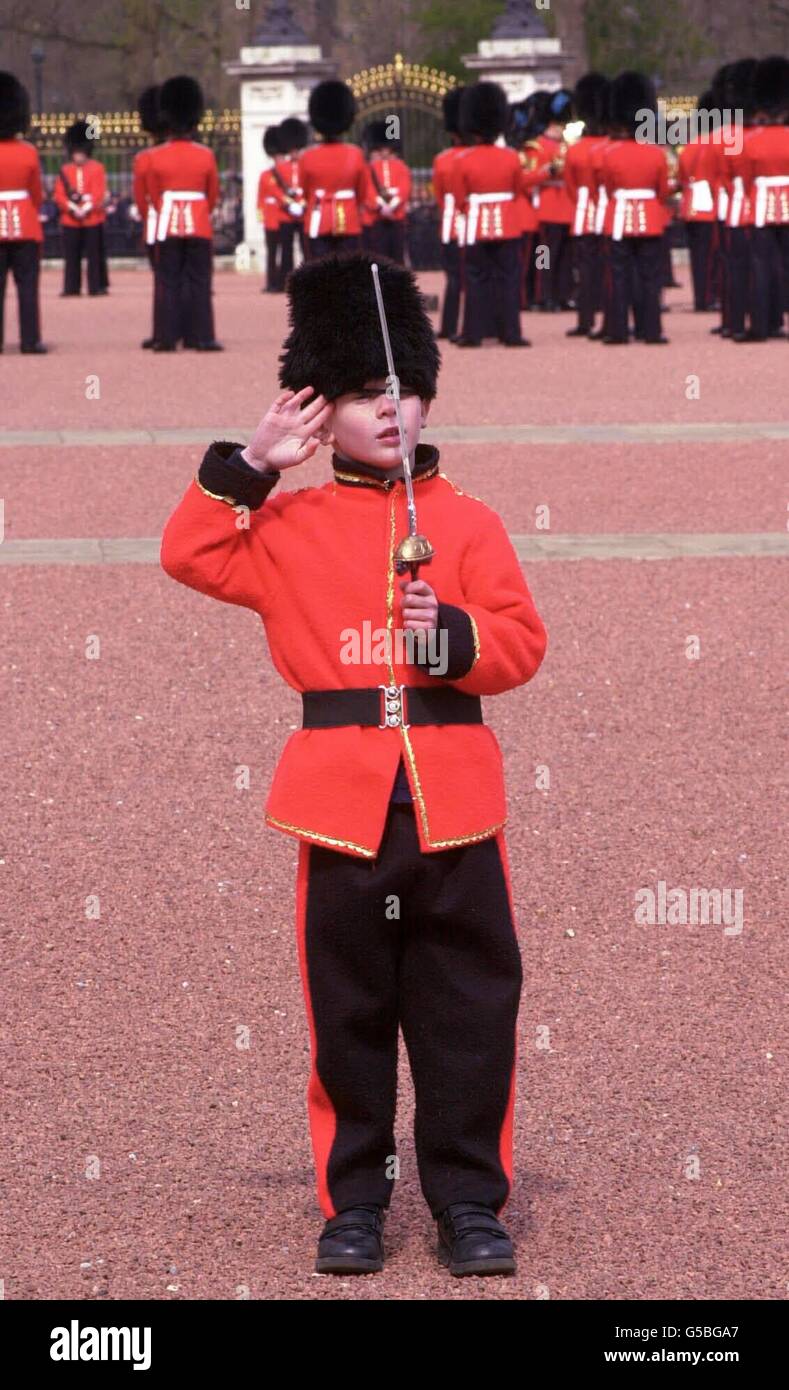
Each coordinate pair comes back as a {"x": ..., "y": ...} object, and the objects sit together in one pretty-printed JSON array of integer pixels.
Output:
[
  {"x": 149, "y": 112},
  {"x": 561, "y": 107},
  {"x": 374, "y": 135},
  {"x": 332, "y": 107},
  {"x": 738, "y": 87},
  {"x": 590, "y": 99},
  {"x": 451, "y": 108},
  {"x": 181, "y": 104},
  {"x": 335, "y": 343},
  {"x": 14, "y": 107},
  {"x": 630, "y": 93},
  {"x": 718, "y": 85},
  {"x": 271, "y": 141},
  {"x": 77, "y": 138},
  {"x": 771, "y": 85},
  {"x": 484, "y": 110},
  {"x": 293, "y": 134}
]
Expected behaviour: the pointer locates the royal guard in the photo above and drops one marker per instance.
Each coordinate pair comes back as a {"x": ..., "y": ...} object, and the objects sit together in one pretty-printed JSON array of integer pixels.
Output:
[
  {"x": 722, "y": 176},
  {"x": 389, "y": 192},
  {"x": 368, "y": 210},
  {"x": 80, "y": 193},
  {"x": 488, "y": 181},
  {"x": 451, "y": 220},
  {"x": 766, "y": 181},
  {"x": 556, "y": 210},
  {"x": 151, "y": 122},
  {"x": 393, "y": 787},
  {"x": 184, "y": 185},
  {"x": 528, "y": 121},
  {"x": 21, "y": 196},
  {"x": 696, "y": 177},
  {"x": 590, "y": 99},
  {"x": 293, "y": 137},
  {"x": 635, "y": 177},
  {"x": 333, "y": 174},
  {"x": 739, "y": 221},
  {"x": 270, "y": 213}
]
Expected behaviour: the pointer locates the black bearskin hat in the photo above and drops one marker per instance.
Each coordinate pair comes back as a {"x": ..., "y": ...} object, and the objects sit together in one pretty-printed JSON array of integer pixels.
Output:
[
  {"x": 271, "y": 141},
  {"x": 374, "y": 135},
  {"x": 590, "y": 100},
  {"x": 738, "y": 86},
  {"x": 335, "y": 343},
  {"x": 77, "y": 138},
  {"x": 561, "y": 107},
  {"x": 148, "y": 111},
  {"x": 451, "y": 108},
  {"x": 718, "y": 85},
  {"x": 293, "y": 134},
  {"x": 771, "y": 85},
  {"x": 630, "y": 94},
  {"x": 14, "y": 107},
  {"x": 484, "y": 110},
  {"x": 332, "y": 107},
  {"x": 181, "y": 103}
]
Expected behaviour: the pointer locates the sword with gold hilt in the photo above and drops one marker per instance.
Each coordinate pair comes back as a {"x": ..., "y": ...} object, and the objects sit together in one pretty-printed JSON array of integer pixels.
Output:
[{"x": 414, "y": 550}]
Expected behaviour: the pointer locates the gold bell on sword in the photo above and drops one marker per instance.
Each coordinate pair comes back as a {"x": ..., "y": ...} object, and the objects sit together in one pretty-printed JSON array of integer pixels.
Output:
[{"x": 412, "y": 552}]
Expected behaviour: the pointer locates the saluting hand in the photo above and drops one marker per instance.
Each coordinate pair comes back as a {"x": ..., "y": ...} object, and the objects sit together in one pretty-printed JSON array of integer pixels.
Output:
[
  {"x": 288, "y": 435},
  {"x": 420, "y": 605}
]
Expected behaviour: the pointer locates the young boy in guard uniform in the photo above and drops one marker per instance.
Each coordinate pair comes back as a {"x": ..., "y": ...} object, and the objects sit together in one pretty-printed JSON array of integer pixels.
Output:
[{"x": 393, "y": 785}]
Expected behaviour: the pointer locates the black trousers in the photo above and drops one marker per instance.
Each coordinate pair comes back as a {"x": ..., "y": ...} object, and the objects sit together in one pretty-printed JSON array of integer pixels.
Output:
[
  {"x": 22, "y": 259},
  {"x": 770, "y": 267},
  {"x": 740, "y": 296},
  {"x": 555, "y": 280},
  {"x": 273, "y": 260},
  {"x": 447, "y": 970},
  {"x": 289, "y": 234},
  {"x": 103, "y": 262},
  {"x": 315, "y": 246},
  {"x": 452, "y": 265},
  {"x": 493, "y": 289},
  {"x": 79, "y": 242},
  {"x": 588, "y": 269},
  {"x": 701, "y": 244},
  {"x": 185, "y": 263},
  {"x": 636, "y": 266},
  {"x": 388, "y": 239}
]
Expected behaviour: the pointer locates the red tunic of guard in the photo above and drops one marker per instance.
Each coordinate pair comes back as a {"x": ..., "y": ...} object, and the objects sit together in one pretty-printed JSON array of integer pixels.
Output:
[
  {"x": 20, "y": 191},
  {"x": 555, "y": 204},
  {"x": 635, "y": 177},
  {"x": 88, "y": 179},
  {"x": 766, "y": 166},
  {"x": 334, "y": 177},
  {"x": 580, "y": 182},
  {"x": 488, "y": 184},
  {"x": 445, "y": 166},
  {"x": 697, "y": 175},
  {"x": 268, "y": 201},
  {"x": 291, "y": 197},
  {"x": 177, "y": 168},
  {"x": 394, "y": 180}
]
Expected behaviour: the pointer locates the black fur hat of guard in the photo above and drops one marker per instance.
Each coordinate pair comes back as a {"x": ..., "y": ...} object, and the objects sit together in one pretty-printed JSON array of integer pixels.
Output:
[
  {"x": 451, "y": 109},
  {"x": 293, "y": 134},
  {"x": 181, "y": 104},
  {"x": 590, "y": 100},
  {"x": 271, "y": 141},
  {"x": 14, "y": 107},
  {"x": 149, "y": 112},
  {"x": 738, "y": 88},
  {"x": 374, "y": 135},
  {"x": 77, "y": 138},
  {"x": 630, "y": 94},
  {"x": 332, "y": 107},
  {"x": 718, "y": 85},
  {"x": 771, "y": 85},
  {"x": 484, "y": 110},
  {"x": 335, "y": 342}
]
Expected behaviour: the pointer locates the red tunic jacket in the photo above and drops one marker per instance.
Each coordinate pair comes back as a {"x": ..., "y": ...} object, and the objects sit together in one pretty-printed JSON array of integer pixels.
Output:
[
  {"x": 318, "y": 561},
  {"x": 445, "y": 166},
  {"x": 394, "y": 174},
  {"x": 629, "y": 165},
  {"x": 269, "y": 205},
  {"x": 698, "y": 182},
  {"x": 580, "y": 182},
  {"x": 88, "y": 178},
  {"x": 766, "y": 162},
  {"x": 20, "y": 173},
  {"x": 288, "y": 170},
  {"x": 482, "y": 172},
  {"x": 181, "y": 165},
  {"x": 325, "y": 171}
]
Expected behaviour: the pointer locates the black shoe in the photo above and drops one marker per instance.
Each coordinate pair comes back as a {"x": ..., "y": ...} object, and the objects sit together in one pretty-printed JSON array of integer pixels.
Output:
[
  {"x": 164, "y": 347},
  {"x": 719, "y": 329},
  {"x": 655, "y": 341},
  {"x": 352, "y": 1242},
  {"x": 748, "y": 337},
  {"x": 613, "y": 342},
  {"x": 516, "y": 342},
  {"x": 37, "y": 347},
  {"x": 471, "y": 1240},
  {"x": 211, "y": 346},
  {"x": 467, "y": 342},
  {"x": 577, "y": 333},
  {"x": 596, "y": 335},
  {"x": 148, "y": 342}
]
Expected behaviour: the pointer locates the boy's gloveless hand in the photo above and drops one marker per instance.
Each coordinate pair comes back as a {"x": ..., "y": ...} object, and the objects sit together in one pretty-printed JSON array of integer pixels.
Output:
[{"x": 288, "y": 435}]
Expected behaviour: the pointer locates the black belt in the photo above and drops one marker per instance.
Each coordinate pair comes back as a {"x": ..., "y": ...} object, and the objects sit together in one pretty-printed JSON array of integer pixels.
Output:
[{"x": 382, "y": 706}]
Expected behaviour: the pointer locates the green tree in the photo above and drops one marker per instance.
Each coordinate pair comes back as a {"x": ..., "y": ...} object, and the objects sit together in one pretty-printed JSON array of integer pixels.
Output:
[{"x": 660, "y": 40}]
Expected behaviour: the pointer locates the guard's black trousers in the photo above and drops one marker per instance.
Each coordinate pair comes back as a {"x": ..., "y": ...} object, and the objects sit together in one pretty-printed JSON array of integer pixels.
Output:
[
  {"x": 452, "y": 263},
  {"x": 448, "y": 970},
  {"x": 79, "y": 242},
  {"x": 702, "y": 244},
  {"x": 493, "y": 289},
  {"x": 388, "y": 239},
  {"x": 554, "y": 279},
  {"x": 588, "y": 268},
  {"x": 635, "y": 266},
  {"x": 289, "y": 233},
  {"x": 22, "y": 259},
  {"x": 740, "y": 290},
  {"x": 770, "y": 268},
  {"x": 181, "y": 262},
  {"x": 317, "y": 246}
]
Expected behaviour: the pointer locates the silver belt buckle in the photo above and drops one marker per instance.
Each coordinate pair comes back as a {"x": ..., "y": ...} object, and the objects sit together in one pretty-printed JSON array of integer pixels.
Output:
[{"x": 393, "y": 707}]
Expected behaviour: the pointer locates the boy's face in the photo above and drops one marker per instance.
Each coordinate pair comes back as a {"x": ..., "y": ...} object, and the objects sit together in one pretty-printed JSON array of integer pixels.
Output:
[{"x": 363, "y": 424}]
